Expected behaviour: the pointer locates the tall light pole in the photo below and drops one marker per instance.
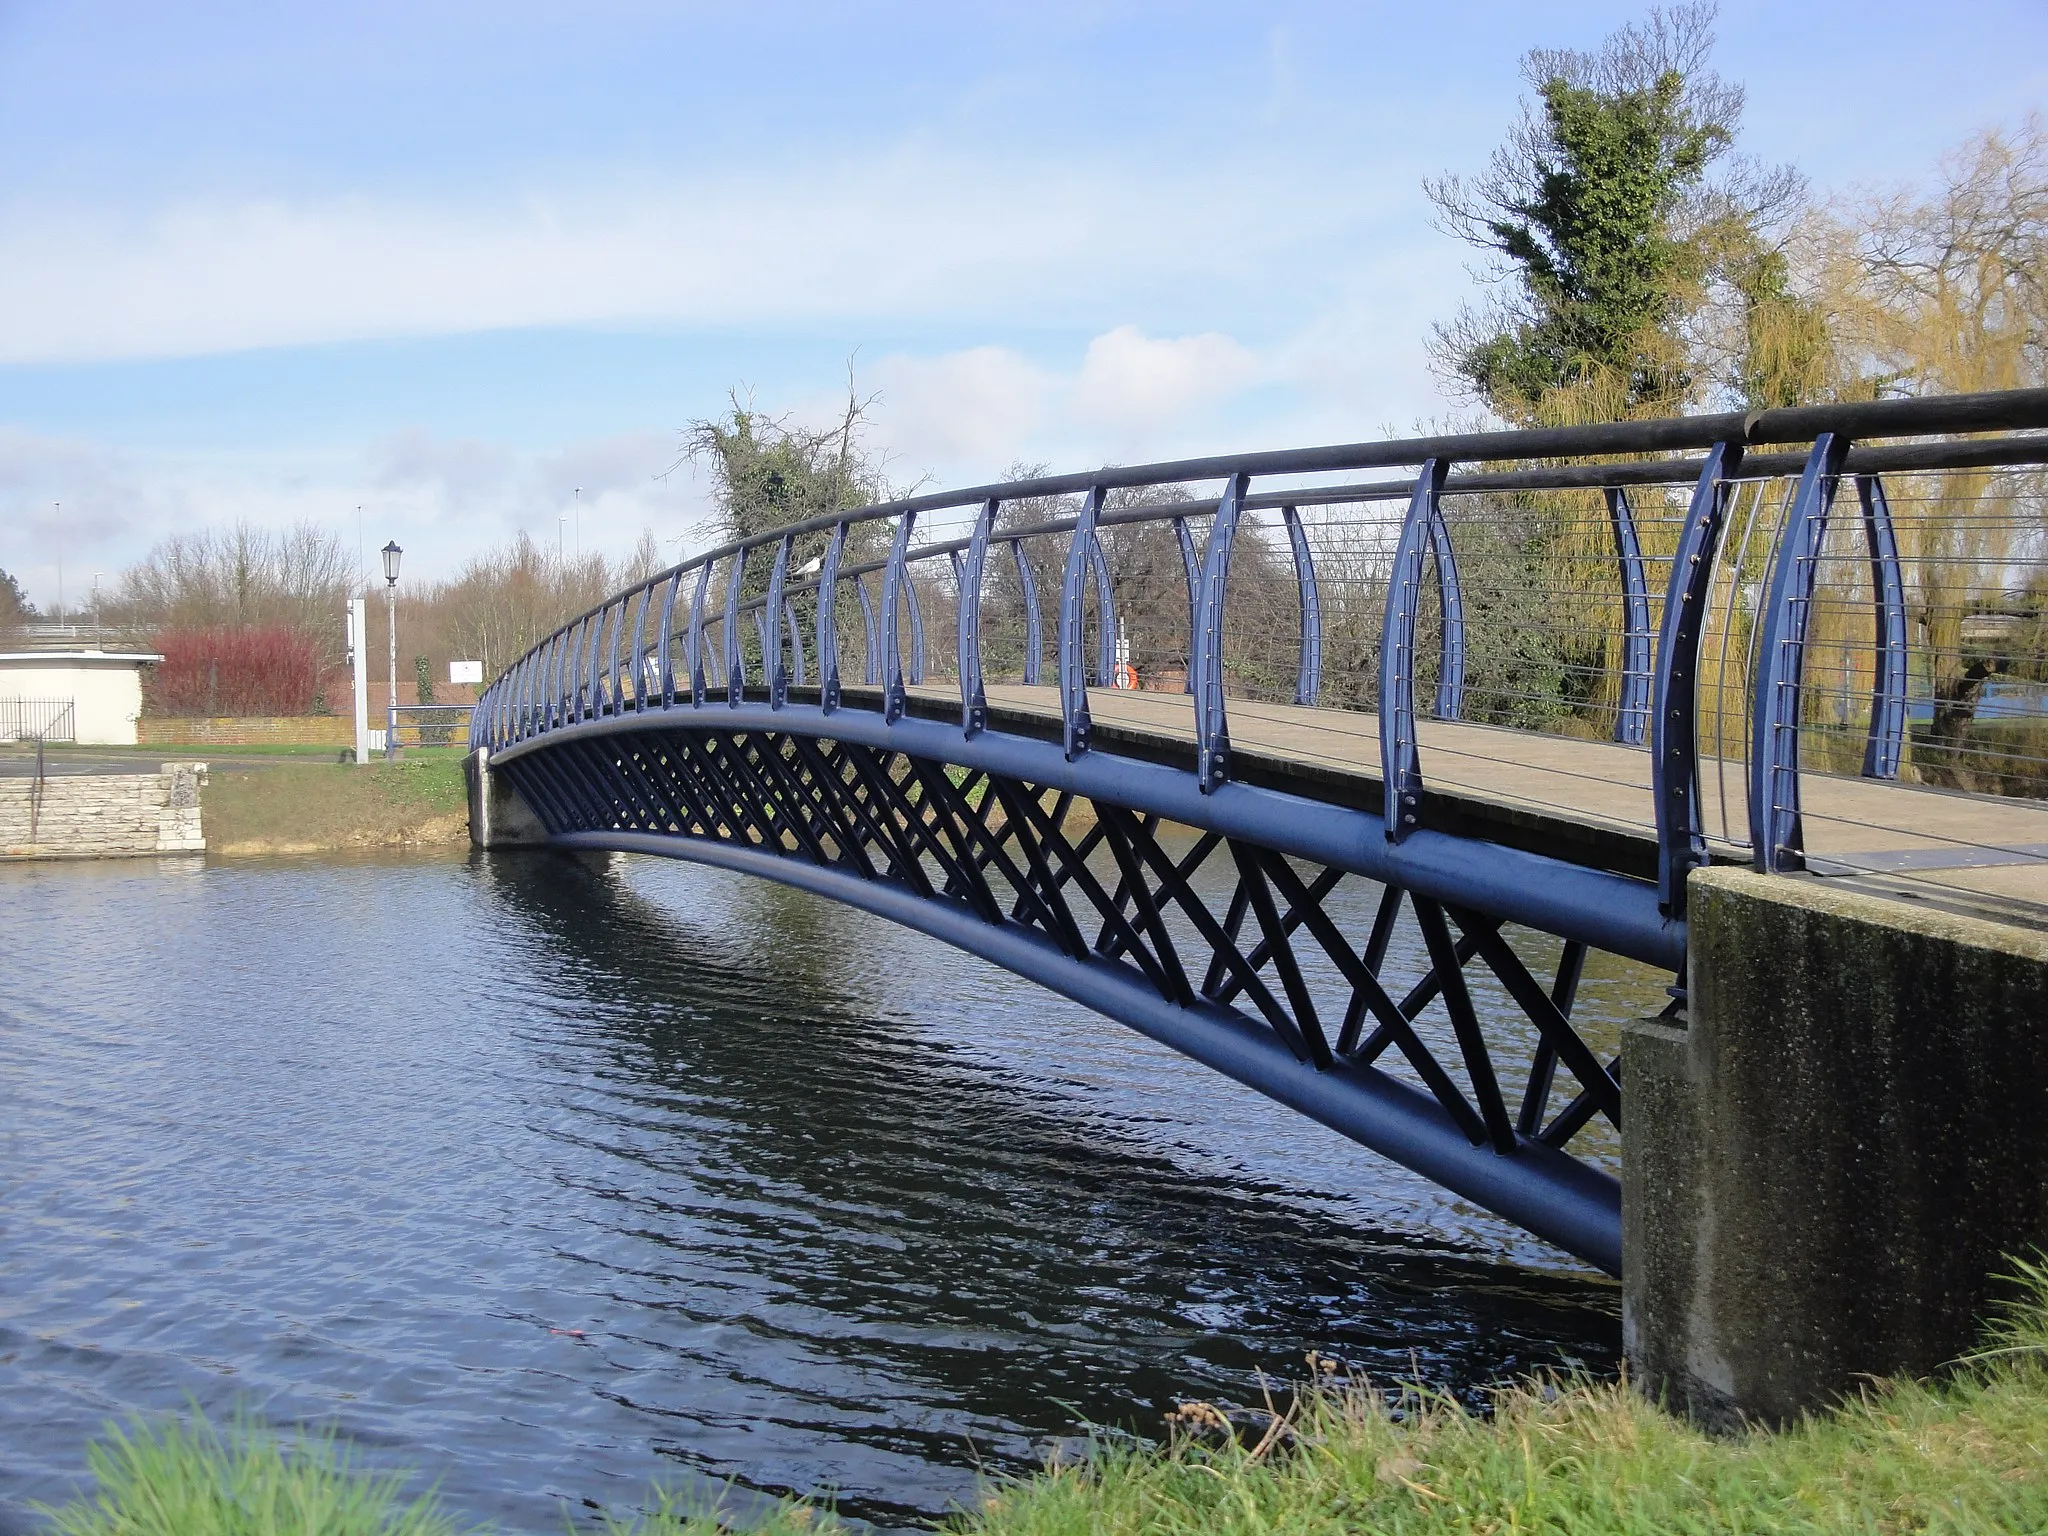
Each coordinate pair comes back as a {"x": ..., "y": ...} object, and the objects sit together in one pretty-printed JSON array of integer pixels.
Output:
[
  {"x": 391, "y": 554},
  {"x": 57, "y": 516},
  {"x": 579, "y": 525}
]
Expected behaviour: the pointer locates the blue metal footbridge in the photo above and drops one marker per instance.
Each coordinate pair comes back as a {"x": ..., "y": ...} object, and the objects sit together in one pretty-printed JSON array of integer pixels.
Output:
[{"x": 1512, "y": 686}]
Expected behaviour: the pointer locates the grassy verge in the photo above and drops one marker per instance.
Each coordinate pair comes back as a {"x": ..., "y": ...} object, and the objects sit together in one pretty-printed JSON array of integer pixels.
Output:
[
  {"x": 1967, "y": 1455},
  {"x": 326, "y": 807}
]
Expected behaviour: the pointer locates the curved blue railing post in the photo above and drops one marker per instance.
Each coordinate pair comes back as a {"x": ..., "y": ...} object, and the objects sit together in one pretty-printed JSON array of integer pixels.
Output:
[
  {"x": 1188, "y": 569},
  {"x": 871, "y": 663},
  {"x": 828, "y": 621},
  {"x": 1674, "y": 693},
  {"x": 551, "y": 684},
  {"x": 735, "y": 653},
  {"x": 579, "y": 667},
  {"x": 894, "y": 576},
  {"x": 796, "y": 644},
  {"x": 1105, "y": 615},
  {"x": 1775, "y": 829},
  {"x": 667, "y": 640},
  {"x": 771, "y": 634},
  {"x": 1632, "y": 707},
  {"x": 1400, "y": 757},
  {"x": 1886, "y": 745},
  {"x": 1308, "y": 677},
  {"x": 605, "y": 660},
  {"x": 693, "y": 648},
  {"x": 1076, "y": 726},
  {"x": 1212, "y": 725},
  {"x": 1034, "y": 625},
  {"x": 1450, "y": 671},
  {"x": 514, "y": 708},
  {"x": 639, "y": 650},
  {"x": 973, "y": 695},
  {"x": 915, "y": 671}
]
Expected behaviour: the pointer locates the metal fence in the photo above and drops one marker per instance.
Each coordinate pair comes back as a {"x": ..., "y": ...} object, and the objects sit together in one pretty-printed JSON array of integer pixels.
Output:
[
  {"x": 38, "y": 720},
  {"x": 1806, "y": 638}
]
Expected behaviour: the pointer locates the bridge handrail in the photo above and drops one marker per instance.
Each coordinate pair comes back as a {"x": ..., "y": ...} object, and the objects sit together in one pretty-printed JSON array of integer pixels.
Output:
[{"x": 522, "y": 702}]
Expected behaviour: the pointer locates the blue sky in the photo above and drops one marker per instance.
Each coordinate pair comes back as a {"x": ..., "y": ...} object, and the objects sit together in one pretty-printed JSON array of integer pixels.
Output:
[{"x": 451, "y": 262}]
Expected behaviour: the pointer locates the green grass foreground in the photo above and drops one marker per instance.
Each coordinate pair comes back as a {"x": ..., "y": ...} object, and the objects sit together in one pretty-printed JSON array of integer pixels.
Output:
[{"x": 1965, "y": 1455}]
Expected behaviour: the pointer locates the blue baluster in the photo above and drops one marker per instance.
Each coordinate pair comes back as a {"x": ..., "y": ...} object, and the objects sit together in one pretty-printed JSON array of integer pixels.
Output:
[
  {"x": 1400, "y": 755},
  {"x": 1076, "y": 725},
  {"x": 1632, "y": 709},
  {"x": 1212, "y": 727},
  {"x": 1776, "y": 831}
]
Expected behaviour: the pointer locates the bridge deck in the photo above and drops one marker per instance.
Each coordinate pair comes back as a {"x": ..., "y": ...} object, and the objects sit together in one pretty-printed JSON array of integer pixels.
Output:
[{"x": 1584, "y": 801}]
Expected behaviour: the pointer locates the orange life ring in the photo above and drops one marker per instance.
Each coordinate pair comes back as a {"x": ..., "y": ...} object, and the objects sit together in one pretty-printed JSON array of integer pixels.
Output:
[{"x": 1124, "y": 676}]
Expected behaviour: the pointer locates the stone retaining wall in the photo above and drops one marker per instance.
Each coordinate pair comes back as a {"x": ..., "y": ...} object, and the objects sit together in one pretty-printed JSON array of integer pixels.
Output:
[{"x": 102, "y": 815}]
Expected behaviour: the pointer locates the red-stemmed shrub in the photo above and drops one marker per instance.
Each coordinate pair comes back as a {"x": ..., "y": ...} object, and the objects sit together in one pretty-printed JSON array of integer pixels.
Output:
[{"x": 237, "y": 670}]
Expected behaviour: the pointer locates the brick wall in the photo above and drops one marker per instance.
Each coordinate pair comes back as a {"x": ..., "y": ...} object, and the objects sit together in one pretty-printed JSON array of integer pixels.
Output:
[
  {"x": 102, "y": 815},
  {"x": 250, "y": 731}
]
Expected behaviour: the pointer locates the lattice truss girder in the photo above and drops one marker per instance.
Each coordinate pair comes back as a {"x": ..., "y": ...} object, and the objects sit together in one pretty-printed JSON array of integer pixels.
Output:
[{"x": 1231, "y": 923}]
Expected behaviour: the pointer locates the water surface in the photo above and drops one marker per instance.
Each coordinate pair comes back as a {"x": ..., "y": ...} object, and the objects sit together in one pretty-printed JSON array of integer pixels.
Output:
[{"x": 557, "y": 1177}]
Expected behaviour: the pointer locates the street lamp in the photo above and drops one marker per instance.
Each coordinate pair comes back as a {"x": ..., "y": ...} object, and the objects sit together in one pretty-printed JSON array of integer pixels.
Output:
[{"x": 391, "y": 554}]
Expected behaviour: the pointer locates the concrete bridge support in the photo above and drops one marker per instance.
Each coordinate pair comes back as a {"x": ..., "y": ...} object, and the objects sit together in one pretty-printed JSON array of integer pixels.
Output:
[
  {"x": 1823, "y": 1172},
  {"x": 499, "y": 816}
]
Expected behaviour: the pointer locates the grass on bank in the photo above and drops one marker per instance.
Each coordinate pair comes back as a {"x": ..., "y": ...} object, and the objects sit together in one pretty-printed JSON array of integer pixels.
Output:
[
  {"x": 319, "y": 807},
  {"x": 1965, "y": 1455}
]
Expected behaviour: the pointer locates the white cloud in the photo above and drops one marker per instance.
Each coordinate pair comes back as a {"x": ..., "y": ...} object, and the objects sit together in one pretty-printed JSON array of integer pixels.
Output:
[
  {"x": 977, "y": 405},
  {"x": 1134, "y": 384},
  {"x": 882, "y": 237}
]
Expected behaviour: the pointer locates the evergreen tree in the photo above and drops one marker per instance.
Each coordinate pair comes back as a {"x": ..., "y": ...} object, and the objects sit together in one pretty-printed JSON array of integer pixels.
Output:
[{"x": 1607, "y": 224}]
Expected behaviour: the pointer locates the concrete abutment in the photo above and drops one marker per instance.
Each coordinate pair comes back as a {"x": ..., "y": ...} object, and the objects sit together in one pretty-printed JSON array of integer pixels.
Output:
[
  {"x": 499, "y": 816},
  {"x": 1825, "y": 1169}
]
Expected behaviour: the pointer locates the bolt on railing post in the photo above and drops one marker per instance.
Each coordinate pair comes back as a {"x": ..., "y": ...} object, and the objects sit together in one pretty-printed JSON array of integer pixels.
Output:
[
  {"x": 1885, "y": 747},
  {"x": 1034, "y": 625},
  {"x": 1775, "y": 827},
  {"x": 1075, "y": 724},
  {"x": 1632, "y": 707},
  {"x": 1212, "y": 726},
  {"x": 1186, "y": 541},
  {"x": 1308, "y": 677},
  {"x": 1400, "y": 756},
  {"x": 693, "y": 647},
  {"x": 1674, "y": 693},
  {"x": 735, "y": 653},
  {"x": 894, "y": 575},
  {"x": 771, "y": 626},
  {"x": 828, "y": 621},
  {"x": 973, "y": 695}
]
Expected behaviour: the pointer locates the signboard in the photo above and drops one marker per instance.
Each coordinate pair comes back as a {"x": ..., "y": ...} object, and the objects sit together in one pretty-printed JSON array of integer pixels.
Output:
[{"x": 465, "y": 671}]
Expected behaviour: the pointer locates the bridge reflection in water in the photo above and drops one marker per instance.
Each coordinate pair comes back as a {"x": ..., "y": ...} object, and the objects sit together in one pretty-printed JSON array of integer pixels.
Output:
[{"x": 1521, "y": 693}]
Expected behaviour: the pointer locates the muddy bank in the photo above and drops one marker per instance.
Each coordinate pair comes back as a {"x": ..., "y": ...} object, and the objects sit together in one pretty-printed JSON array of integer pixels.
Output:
[{"x": 329, "y": 807}]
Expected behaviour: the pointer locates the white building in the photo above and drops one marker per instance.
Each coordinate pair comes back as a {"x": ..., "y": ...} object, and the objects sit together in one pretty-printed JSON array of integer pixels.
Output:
[{"x": 90, "y": 697}]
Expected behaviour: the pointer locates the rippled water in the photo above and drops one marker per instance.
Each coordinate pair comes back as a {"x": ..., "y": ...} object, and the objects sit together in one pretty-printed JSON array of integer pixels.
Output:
[{"x": 556, "y": 1177}]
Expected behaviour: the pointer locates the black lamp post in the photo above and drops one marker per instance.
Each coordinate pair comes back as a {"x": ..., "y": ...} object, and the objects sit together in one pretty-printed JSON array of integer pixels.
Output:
[{"x": 391, "y": 554}]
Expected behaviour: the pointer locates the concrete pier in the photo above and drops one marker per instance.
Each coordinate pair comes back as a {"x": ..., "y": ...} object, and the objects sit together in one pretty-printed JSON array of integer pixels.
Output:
[
  {"x": 499, "y": 816},
  {"x": 1823, "y": 1170}
]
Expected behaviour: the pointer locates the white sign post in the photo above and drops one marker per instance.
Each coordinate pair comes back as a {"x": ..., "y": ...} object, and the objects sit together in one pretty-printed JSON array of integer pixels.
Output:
[{"x": 358, "y": 648}]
